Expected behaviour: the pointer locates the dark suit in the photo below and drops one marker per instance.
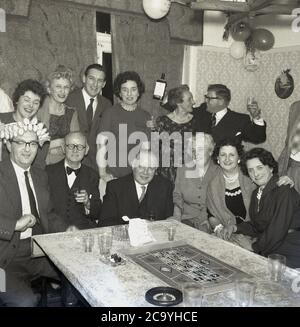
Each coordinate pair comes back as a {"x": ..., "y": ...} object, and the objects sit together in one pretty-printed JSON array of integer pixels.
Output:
[
  {"x": 233, "y": 124},
  {"x": 15, "y": 253},
  {"x": 76, "y": 100},
  {"x": 121, "y": 200},
  {"x": 63, "y": 197}
]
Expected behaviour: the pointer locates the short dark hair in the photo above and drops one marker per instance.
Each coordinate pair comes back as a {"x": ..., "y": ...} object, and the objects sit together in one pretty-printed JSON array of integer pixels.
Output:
[
  {"x": 128, "y": 76},
  {"x": 95, "y": 66},
  {"x": 29, "y": 85},
  {"x": 221, "y": 90},
  {"x": 175, "y": 95},
  {"x": 264, "y": 156},
  {"x": 234, "y": 142}
]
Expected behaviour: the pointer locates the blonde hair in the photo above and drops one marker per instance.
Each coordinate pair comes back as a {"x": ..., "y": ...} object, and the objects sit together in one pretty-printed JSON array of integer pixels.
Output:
[{"x": 61, "y": 71}]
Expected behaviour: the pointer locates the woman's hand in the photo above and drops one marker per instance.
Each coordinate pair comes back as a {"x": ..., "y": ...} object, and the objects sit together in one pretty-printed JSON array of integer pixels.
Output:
[
  {"x": 227, "y": 231},
  {"x": 107, "y": 177},
  {"x": 285, "y": 180}
]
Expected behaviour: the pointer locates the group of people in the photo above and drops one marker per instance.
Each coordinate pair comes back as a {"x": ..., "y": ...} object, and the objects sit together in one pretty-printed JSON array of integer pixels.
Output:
[{"x": 60, "y": 145}]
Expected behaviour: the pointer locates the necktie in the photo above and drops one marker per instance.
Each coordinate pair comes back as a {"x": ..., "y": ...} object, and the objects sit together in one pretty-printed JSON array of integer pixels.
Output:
[
  {"x": 143, "y": 193},
  {"x": 71, "y": 170},
  {"x": 89, "y": 113},
  {"x": 213, "y": 120},
  {"x": 36, "y": 228}
]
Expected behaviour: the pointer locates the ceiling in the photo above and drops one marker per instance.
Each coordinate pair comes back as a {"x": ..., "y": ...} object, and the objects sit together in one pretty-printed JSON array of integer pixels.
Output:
[{"x": 239, "y": 9}]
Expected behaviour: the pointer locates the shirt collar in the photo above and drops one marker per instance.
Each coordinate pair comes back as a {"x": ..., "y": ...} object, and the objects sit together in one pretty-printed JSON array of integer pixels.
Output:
[
  {"x": 87, "y": 97},
  {"x": 66, "y": 165},
  {"x": 220, "y": 114},
  {"x": 138, "y": 185},
  {"x": 19, "y": 170}
]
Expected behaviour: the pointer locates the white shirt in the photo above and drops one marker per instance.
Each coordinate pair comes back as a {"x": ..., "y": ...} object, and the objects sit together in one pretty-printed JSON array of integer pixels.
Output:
[
  {"x": 220, "y": 114},
  {"x": 139, "y": 189},
  {"x": 70, "y": 178},
  {"x": 87, "y": 100},
  {"x": 24, "y": 195}
]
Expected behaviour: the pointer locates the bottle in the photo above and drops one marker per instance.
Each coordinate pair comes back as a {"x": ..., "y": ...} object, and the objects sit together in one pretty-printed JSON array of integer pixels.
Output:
[{"x": 160, "y": 88}]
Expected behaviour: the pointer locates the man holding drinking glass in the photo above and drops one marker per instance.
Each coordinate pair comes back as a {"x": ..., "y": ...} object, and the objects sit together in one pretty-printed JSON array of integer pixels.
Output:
[
  {"x": 214, "y": 117},
  {"x": 74, "y": 186}
]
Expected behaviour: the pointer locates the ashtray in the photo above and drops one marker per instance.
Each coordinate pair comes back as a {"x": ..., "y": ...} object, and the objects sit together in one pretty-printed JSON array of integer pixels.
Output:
[
  {"x": 164, "y": 296},
  {"x": 116, "y": 260}
]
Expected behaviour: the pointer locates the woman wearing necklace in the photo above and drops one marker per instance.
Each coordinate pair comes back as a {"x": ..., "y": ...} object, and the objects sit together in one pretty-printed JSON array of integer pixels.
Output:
[
  {"x": 121, "y": 121},
  {"x": 59, "y": 118},
  {"x": 179, "y": 121},
  {"x": 191, "y": 183},
  {"x": 229, "y": 192},
  {"x": 274, "y": 211}
]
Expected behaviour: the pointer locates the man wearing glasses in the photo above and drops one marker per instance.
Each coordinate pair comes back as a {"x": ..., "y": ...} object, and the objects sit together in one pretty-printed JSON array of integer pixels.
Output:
[
  {"x": 216, "y": 118},
  {"x": 25, "y": 210},
  {"x": 74, "y": 186}
]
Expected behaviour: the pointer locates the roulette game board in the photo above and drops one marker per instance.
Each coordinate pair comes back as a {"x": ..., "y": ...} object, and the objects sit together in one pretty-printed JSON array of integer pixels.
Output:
[{"x": 177, "y": 264}]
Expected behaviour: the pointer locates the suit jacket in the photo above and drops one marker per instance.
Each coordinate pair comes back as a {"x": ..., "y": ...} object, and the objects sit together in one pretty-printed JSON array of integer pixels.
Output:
[
  {"x": 63, "y": 198},
  {"x": 76, "y": 100},
  {"x": 11, "y": 209},
  {"x": 233, "y": 124},
  {"x": 121, "y": 200}
]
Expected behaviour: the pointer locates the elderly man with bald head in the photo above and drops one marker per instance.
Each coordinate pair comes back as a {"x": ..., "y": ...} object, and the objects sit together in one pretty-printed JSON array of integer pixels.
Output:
[
  {"x": 74, "y": 186},
  {"x": 142, "y": 194}
]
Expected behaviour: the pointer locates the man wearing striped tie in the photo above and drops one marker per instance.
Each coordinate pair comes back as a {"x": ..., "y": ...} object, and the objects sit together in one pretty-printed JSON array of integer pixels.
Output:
[{"x": 142, "y": 194}]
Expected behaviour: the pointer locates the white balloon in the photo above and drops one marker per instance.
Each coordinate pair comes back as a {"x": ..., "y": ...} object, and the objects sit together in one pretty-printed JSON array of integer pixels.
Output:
[
  {"x": 237, "y": 50},
  {"x": 156, "y": 9}
]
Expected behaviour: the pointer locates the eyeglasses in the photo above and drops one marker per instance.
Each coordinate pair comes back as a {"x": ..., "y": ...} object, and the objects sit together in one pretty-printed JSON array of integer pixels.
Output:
[
  {"x": 32, "y": 144},
  {"x": 78, "y": 147},
  {"x": 210, "y": 98}
]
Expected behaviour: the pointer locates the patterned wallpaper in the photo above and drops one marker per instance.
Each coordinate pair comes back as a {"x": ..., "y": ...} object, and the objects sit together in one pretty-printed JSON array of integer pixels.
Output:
[{"x": 214, "y": 65}]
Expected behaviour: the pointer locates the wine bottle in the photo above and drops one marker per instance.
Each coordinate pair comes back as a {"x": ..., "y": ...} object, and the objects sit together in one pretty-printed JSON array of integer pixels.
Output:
[{"x": 160, "y": 88}]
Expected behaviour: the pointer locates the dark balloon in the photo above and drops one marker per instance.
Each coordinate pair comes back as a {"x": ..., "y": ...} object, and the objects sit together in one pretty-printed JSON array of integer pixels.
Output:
[
  {"x": 262, "y": 39},
  {"x": 240, "y": 31}
]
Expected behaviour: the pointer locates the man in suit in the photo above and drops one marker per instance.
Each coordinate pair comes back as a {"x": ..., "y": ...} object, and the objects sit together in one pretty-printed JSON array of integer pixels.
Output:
[
  {"x": 216, "y": 118},
  {"x": 74, "y": 186},
  {"x": 25, "y": 210},
  {"x": 90, "y": 104},
  {"x": 141, "y": 194}
]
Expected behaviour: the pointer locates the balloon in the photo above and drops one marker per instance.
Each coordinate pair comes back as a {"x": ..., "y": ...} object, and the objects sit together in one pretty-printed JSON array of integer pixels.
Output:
[
  {"x": 240, "y": 31},
  {"x": 237, "y": 50},
  {"x": 262, "y": 39},
  {"x": 156, "y": 9}
]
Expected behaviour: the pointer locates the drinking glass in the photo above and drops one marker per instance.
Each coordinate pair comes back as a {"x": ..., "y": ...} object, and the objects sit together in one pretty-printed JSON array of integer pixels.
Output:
[
  {"x": 244, "y": 292},
  {"x": 192, "y": 294},
  {"x": 88, "y": 241},
  {"x": 171, "y": 233},
  {"x": 105, "y": 241},
  {"x": 277, "y": 265}
]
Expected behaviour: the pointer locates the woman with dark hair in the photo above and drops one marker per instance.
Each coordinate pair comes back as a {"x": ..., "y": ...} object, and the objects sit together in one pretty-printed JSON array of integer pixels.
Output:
[
  {"x": 27, "y": 99},
  {"x": 121, "y": 120},
  {"x": 59, "y": 118},
  {"x": 274, "y": 211},
  {"x": 175, "y": 124},
  {"x": 229, "y": 192}
]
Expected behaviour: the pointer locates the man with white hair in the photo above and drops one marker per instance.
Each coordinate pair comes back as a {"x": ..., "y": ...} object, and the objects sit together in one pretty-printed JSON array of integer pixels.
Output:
[{"x": 141, "y": 194}]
